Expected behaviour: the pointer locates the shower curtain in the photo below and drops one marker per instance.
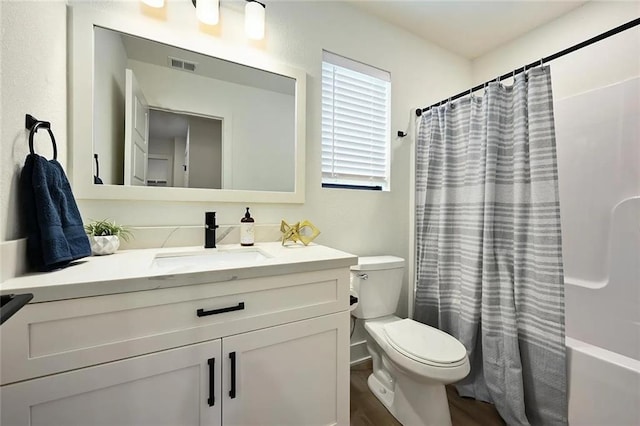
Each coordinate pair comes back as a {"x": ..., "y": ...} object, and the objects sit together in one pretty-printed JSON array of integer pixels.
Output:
[{"x": 489, "y": 259}]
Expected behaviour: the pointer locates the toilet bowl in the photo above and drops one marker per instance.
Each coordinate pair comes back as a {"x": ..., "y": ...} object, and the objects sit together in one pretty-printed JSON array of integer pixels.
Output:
[{"x": 411, "y": 361}]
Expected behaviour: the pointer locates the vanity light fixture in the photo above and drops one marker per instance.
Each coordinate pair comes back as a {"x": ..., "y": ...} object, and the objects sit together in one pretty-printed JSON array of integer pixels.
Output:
[
  {"x": 154, "y": 3},
  {"x": 254, "y": 14},
  {"x": 207, "y": 11}
]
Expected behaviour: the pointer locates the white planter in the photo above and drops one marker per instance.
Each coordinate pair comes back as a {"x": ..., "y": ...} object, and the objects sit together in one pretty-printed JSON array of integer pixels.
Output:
[{"x": 102, "y": 245}]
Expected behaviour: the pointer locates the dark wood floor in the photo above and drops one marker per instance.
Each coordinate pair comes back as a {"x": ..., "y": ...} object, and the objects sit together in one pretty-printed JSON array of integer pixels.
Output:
[{"x": 366, "y": 410}]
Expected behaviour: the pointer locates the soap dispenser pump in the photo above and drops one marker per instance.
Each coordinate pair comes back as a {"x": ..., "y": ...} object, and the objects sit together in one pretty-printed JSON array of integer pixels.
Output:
[{"x": 247, "y": 233}]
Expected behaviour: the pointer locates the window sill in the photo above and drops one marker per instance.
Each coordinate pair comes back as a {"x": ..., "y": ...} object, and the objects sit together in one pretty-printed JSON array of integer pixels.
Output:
[{"x": 360, "y": 187}]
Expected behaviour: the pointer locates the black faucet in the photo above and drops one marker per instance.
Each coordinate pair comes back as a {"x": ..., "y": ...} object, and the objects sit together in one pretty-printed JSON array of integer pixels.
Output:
[{"x": 210, "y": 230}]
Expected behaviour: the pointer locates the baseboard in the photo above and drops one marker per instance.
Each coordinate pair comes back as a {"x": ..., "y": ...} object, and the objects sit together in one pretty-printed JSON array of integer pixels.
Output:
[{"x": 360, "y": 362}]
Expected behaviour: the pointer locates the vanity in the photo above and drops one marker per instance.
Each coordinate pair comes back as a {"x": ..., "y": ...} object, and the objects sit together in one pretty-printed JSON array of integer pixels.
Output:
[{"x": 227, "y": 336}]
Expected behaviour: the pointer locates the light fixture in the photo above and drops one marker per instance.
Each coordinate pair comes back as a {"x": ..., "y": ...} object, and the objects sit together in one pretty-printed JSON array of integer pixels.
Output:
[
  {"x": 254, "y": 12},
  {"x": 207, "y": 11},
  {"x": 154, "y": 3}
]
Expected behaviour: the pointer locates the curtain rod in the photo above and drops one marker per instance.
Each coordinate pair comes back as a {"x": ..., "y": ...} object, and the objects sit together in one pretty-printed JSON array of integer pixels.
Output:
[{"x": 566, "y": 51}]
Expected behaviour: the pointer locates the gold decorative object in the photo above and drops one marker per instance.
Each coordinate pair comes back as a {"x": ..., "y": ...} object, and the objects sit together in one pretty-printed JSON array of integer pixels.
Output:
[{"x": 297, "y": 232}]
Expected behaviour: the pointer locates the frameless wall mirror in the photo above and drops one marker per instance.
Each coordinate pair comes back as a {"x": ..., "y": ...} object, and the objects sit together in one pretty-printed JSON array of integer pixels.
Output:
[{"x": 156, "y": 119}]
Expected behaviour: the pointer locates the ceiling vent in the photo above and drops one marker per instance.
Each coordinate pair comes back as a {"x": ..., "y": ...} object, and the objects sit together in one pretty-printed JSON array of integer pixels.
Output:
[{"x": 181, "y": 64}]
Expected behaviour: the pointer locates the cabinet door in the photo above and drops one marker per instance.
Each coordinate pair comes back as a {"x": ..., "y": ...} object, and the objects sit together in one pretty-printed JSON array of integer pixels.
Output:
[
  {"x": 295, "y": 374},
  {"x": 171, "y": 387}
]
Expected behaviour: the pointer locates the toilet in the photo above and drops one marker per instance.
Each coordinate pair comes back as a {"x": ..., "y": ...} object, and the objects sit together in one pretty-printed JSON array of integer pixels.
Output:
[{"x": 411, "y": 361}]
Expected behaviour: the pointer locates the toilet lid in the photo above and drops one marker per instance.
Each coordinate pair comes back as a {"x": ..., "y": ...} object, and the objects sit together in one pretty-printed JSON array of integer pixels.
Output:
[
  {"x": 423, "y": 343},
  {"x": 375, "y": 263}
]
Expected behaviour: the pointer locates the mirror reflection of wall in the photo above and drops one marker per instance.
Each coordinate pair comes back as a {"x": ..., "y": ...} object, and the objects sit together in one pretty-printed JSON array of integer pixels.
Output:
[
  {"x": 181, "y": 146},
  {"x": 252, "y": 114}
]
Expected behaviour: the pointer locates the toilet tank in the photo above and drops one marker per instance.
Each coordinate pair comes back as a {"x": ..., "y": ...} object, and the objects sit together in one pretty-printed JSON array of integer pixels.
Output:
[{"x": 377, "y": 280}]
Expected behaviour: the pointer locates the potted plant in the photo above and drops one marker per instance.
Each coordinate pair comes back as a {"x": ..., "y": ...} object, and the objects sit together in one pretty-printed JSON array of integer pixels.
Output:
[{"x": 104, "y": 236}]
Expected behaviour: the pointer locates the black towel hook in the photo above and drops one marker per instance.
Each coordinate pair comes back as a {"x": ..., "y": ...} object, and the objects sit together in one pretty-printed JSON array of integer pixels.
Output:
[{"x": 33, "y": 124}]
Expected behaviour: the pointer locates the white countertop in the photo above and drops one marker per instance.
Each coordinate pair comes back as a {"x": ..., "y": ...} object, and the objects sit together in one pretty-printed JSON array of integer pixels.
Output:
[{"x": 134, "y": 270}]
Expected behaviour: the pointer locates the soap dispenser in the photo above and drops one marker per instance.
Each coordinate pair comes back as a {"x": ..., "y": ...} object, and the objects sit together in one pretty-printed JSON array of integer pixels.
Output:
[{"x": 247, "y": 233}]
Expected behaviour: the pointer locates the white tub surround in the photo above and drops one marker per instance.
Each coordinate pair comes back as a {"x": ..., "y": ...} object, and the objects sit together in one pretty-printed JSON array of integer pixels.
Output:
[
  {"x": 138, "y": 328},
  {"x": 598, "y": 149}
]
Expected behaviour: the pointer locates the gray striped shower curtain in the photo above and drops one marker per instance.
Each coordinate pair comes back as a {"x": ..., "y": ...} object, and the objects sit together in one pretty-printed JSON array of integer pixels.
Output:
[{"x": 489, "y": 249}]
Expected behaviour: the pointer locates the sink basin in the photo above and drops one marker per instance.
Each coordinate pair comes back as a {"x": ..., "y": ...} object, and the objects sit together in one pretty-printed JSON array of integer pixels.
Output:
[{"x": 209, "y": 259}]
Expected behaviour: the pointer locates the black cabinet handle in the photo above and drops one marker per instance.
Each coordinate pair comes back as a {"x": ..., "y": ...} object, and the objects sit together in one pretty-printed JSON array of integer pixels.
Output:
[
  {"x": 212, "y": 381},
  {"x": 232, "y": 391},
  {"x": 203, "y": 313}
]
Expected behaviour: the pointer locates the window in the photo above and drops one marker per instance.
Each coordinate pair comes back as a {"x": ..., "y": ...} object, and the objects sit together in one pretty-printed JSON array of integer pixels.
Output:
[{"x": 355, "y": 124}]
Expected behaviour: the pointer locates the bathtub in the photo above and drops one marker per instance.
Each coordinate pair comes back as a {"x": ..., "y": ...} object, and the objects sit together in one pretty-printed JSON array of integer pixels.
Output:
[
  {"x": 603, "y": 331},
  {"x": 604, "y": 387}
]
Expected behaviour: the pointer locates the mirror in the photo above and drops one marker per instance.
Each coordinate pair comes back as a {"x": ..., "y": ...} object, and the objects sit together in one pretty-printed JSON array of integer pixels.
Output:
[{"x": 169, "y": 122}]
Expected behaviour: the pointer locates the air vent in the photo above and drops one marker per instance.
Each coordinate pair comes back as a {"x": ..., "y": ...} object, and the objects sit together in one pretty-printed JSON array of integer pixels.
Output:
[{"x": 181, "y": 64}]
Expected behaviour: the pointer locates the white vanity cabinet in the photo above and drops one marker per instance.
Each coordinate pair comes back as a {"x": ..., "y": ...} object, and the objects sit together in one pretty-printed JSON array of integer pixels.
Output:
[
  {"x": 164, "y": 388},
  {"x": 258, "y": 351},
  {"x": 296, "y": 374}
]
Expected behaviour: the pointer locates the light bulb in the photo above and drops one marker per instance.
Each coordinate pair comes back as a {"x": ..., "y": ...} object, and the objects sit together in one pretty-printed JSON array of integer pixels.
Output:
[
  {"x": 254, "y": 20},
  {"x": 208, "y": 11}
]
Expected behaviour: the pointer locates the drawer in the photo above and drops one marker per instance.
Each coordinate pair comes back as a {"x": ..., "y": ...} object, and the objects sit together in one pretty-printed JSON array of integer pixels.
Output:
[{"x": 51, "y": 337}]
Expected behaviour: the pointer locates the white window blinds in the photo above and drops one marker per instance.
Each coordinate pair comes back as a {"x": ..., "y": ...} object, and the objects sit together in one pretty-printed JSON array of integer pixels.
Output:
[{"x": 355, "y": 123}]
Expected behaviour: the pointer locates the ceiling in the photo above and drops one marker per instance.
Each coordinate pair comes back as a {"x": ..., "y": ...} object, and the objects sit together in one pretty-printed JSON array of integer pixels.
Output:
[
  {"x": 468, "y": 28},
  {"x": 156, "y": 53}
]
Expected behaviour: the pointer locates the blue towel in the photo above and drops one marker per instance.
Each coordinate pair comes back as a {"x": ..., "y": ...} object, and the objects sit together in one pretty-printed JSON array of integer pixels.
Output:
[{"x": 55, "y": 233}]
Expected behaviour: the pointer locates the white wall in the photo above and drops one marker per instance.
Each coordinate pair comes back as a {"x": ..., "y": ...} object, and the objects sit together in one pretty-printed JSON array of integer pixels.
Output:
[
  {"x": 33, "y": 81},
  {"x": 162, "y": 146},
  {"x": 180, "y": 144},
  {"x": 262, "y": 132},
  {"x": 361, "y": 222},
  {"x": 109, "y": 87},
  {"x": 606, "y": 62},
  {"x": 5, "y": 164},
  {"x": 205, "y": 153}
]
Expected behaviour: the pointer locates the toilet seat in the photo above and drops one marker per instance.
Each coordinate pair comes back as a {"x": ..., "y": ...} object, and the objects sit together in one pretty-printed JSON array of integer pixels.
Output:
[
  {"x": 425, "y": 344},
  {"x": 418, "y": 368}
]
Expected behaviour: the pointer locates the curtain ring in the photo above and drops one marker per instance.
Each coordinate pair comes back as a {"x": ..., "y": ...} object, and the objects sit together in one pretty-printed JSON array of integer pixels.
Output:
[{"x": 541, "y": 63}]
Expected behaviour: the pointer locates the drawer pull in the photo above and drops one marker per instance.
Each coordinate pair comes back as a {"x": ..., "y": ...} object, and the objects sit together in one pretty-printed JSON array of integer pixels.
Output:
[
  {"x": 212, "y": 381},
  {"x": 232, "y": 391},
  {"x": 203, "y": 313}
]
